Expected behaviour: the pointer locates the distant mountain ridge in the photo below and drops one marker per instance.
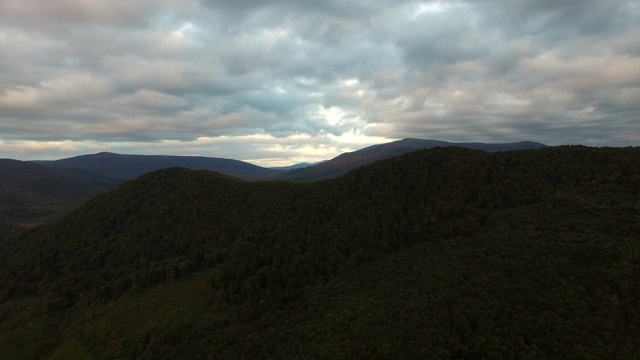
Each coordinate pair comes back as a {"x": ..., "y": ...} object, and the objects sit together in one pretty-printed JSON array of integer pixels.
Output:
[
  {"x": 348, "y": 161},
  {"x": 131, "y": 166},
  {"x": 123, "y": 166},
  {"x": 293, "y": 167}
]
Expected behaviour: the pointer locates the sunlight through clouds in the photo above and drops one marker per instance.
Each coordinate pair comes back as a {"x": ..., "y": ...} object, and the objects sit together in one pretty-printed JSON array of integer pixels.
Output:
[{"x": 288, "y": 80}]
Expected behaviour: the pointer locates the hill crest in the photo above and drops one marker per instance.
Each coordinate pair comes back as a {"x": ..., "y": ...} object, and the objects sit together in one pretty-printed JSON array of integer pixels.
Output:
[{"x": 351, "y": 160}]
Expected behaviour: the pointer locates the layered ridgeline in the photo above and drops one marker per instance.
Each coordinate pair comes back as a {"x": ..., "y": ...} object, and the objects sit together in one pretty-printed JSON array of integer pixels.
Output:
[
  {"x": 442, "y": 253},
  {"x": 131, "y": 166},
  {"x": 348, "y": 161},
  {"x": 32, "y": 192},
  {"x": 122, "y": 166}
]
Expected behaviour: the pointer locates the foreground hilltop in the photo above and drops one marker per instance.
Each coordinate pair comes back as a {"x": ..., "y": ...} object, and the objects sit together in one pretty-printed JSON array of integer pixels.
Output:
[{"x": 440, "y": 253}]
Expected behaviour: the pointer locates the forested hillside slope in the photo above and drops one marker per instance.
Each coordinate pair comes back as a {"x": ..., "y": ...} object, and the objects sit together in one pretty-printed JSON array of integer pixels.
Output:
[
  {"x": 31, "y": 193},
  {"x": 441, "y": 253}
]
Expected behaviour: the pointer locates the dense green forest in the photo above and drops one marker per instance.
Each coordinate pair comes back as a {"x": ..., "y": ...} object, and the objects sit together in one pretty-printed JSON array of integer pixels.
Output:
[
  {"x": 31, "y": 194},
  {"x": 440, "y": 253}
]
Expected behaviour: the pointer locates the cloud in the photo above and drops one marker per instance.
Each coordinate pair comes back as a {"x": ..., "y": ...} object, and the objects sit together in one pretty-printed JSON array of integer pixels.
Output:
[{"x": 271, "y": 81}]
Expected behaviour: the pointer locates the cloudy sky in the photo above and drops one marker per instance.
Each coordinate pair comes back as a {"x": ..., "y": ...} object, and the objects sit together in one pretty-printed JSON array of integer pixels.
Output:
[{"x": 285, "y": 81}]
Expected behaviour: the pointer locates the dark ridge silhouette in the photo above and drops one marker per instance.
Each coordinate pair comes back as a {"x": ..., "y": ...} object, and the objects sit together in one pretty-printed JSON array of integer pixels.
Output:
[
  {"x": 348, "y": 161},
  {"x": 78, "y": 178},
  {"x": 132, "y": 166}
]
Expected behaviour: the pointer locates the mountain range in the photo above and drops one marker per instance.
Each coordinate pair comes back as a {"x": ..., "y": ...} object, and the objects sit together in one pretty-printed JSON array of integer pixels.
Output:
[
  {"x": 348, "y": 161},
  {"x": 131, "y": 166},
  {"x": 443, "y": 253},
  {"x": 34, "y": 191}
]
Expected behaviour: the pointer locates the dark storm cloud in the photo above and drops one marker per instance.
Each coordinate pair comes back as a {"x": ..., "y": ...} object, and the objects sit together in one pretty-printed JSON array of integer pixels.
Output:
[{"x": 271, "y": 81}]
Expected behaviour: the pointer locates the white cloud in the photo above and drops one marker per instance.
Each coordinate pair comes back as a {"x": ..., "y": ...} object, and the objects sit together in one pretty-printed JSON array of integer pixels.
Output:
[{"x": 281, "y": 81}]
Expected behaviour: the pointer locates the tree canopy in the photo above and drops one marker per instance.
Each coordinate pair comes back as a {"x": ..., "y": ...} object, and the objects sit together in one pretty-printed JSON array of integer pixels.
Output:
[{"x": 442, "y": 253}]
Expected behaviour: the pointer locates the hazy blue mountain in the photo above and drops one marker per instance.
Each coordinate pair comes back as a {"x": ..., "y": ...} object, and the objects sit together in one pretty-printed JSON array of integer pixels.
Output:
[
  {"x": 348, "y": 161},
  {"x": 293, "y": 167},
  {"x": 132, "y": 166}
]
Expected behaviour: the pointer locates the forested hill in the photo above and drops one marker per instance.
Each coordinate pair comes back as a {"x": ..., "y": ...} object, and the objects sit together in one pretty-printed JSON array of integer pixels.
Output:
[
  {"x": 441, "y": 253},
  {"x": 31, "y": 193}
]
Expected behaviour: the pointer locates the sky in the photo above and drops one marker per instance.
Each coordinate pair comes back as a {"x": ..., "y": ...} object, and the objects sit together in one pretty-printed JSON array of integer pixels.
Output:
[{"x": 286, "y": 81}]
